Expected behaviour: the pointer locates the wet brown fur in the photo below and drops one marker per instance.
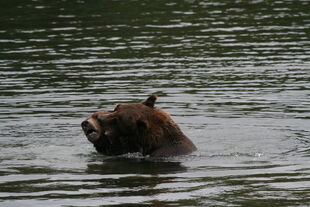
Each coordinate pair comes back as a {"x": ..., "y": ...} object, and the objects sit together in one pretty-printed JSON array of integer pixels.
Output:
[{"x": 138, "y": 127}]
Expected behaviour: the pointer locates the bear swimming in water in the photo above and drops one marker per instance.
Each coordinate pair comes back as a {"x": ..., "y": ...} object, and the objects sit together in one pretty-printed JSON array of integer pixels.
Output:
[{"x": 136, "y": 127}]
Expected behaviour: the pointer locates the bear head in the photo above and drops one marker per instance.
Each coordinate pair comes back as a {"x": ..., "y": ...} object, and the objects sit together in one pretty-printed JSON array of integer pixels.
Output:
[{"x": 136, "y": 127}]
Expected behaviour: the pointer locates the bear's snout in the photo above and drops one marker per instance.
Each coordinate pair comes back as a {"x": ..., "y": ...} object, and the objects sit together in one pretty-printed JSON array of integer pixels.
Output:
[
  {"x": 85, "y": 125},
  {"x": 90, "y": 132}
]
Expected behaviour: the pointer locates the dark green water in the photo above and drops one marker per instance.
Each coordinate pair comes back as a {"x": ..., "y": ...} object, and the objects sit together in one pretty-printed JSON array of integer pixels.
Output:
[{"x": 235, "y": 75}]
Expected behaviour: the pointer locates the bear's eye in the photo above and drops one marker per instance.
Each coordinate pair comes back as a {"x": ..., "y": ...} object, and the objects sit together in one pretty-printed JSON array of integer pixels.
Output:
[{"x": 96, "y": 116}]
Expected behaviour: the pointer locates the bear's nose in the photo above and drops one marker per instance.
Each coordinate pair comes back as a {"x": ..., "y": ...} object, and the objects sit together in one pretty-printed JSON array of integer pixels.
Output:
[{"x": 86, "y": 125}]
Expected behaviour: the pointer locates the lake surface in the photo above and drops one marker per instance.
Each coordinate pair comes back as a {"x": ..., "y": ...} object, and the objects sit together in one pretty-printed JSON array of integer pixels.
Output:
[{"x": 235, "y": 76}]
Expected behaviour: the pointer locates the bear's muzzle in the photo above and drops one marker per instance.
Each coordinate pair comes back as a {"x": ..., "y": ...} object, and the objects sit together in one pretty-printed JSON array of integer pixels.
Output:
[{"x": 90, "y": 131}]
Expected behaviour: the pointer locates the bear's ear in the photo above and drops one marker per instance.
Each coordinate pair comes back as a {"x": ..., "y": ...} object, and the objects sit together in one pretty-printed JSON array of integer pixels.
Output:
[{"x": 150, "y": 101}]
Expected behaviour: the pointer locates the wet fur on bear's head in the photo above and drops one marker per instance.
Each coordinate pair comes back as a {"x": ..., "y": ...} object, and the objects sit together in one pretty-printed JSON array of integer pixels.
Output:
[{"x": 136, "y": 127}]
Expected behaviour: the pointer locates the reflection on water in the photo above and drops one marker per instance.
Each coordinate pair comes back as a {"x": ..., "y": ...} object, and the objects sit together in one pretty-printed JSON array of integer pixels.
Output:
[{"x": 233, "y": 74}]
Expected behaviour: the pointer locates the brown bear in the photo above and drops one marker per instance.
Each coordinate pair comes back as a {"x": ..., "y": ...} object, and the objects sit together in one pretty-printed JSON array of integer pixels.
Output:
[{"x": 136, "y": 127}]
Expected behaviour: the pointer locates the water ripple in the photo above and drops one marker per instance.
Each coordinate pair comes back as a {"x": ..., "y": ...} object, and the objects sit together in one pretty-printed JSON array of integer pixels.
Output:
[{"x": 234, "y": 75}]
